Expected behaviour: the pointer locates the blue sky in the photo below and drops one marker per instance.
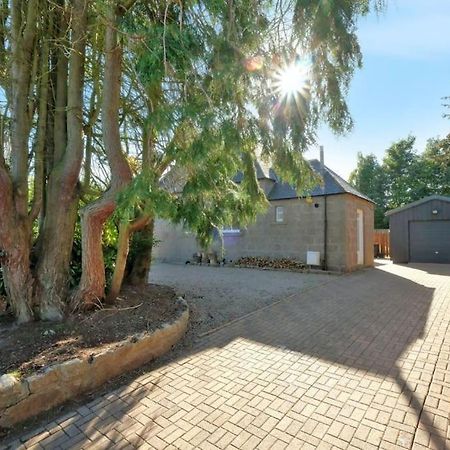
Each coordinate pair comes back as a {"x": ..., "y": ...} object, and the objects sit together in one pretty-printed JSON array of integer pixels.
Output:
[{"x": 399, "y": 90}]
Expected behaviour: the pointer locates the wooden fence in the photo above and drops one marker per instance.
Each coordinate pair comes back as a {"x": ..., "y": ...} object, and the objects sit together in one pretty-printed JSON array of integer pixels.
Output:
[{"x": 381, "y": 243}]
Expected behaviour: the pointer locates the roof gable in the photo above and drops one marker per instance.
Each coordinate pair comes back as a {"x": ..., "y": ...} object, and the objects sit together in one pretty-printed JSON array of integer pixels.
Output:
[
  {"x": 333, "y": 184},
  {"x": 417, "y": 203}
]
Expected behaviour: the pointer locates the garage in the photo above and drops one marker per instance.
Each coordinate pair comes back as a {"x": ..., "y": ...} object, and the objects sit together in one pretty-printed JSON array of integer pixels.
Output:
[
  {"x": 420, "y": 231},
  {"x": 429, "y": 241}
]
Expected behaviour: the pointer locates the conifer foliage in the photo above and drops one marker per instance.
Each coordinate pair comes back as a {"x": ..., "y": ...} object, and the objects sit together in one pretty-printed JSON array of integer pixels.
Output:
[{"x": 122, "y": 111}]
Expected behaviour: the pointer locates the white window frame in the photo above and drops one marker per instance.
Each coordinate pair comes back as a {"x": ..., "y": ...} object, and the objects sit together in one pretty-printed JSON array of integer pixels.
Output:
[
  {"x": 279, "y": 214},
  {"x": 231, "y": 230}
]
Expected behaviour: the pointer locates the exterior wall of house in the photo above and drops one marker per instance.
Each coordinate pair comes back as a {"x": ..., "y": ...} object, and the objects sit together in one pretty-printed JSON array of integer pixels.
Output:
[
  {"x": 399, "y": 225},
  {"x": 302, "y": 230},
  {"x": 353, "y": 204},
  {"x": 174, "y": 244}
]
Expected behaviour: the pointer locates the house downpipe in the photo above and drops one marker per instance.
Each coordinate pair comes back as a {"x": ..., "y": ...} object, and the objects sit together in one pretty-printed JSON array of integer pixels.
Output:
[{"x": 325, "y": 213}]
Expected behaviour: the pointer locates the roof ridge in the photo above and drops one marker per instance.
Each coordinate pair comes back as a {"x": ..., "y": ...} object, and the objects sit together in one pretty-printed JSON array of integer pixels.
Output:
[
  {"x": 338, "y": 178},
  {"x": 342, "y": 183},
  {"x": 429, "y": 198},
  {"x": 335, "y": 185}
]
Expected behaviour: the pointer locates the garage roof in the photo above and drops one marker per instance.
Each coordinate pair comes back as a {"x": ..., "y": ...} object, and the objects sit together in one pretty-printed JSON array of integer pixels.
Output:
[{"x": 417, "y": 203}]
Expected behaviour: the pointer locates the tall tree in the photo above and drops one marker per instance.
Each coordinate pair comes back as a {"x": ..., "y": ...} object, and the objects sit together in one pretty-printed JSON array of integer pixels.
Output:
[
  {"x": 248, "y": 71},
  {"x": 45, "y": 97},
  {"x": 369, "y": 178},
  {"x": 15, "y": 225},
  {"x": 94, "y": 215},
  {"x": 62, "y": 193},
  {"x": 434, "y": 168},
  {"x": 400, "y": 168},
  {"x": 195, "y": 88}
]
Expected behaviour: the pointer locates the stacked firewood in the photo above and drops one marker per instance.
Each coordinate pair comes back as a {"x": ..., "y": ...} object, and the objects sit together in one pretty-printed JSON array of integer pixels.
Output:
[{"x": 271, "y": 263}]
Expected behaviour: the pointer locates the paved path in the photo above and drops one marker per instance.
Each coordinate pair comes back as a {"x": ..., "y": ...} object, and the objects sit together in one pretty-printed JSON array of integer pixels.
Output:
[{"x": 360, "y": 362}]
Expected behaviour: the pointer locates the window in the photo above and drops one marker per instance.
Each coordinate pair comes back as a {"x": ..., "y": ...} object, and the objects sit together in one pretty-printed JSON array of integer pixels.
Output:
[
  {"x": 279, "y": 214},
  {"x": 231, "y": 230}
]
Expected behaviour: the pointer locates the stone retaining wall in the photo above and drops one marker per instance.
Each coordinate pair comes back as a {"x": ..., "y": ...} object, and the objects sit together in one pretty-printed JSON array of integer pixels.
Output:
[{"x": 22, "y": 399}]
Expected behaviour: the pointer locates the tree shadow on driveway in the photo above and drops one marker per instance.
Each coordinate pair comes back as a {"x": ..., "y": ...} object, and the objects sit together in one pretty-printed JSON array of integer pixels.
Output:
[
  {"x": 381, "y": 322},
  {"x": 367, "y": 321}
]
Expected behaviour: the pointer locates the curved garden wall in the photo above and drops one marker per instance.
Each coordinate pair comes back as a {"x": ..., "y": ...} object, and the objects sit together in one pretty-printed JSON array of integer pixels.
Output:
[{"x": 25, "y": 398}]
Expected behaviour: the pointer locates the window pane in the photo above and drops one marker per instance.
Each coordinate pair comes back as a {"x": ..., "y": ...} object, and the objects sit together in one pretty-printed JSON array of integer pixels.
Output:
[
  {"x": 279, "y": 214},
  {"x": 231, "y": 230}
]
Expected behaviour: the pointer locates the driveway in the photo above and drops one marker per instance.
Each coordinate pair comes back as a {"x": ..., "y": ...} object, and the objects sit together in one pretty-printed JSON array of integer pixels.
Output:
[
  {"x": 361, "y": 361},
  {"x": 218, "y": 295}
]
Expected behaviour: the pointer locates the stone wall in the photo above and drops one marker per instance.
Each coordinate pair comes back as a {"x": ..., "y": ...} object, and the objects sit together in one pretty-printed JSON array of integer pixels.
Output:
[
  {"x": 301, "y": 231},
  {"x": 350, "y": 232},
  {"x": 23, "y": 399}
]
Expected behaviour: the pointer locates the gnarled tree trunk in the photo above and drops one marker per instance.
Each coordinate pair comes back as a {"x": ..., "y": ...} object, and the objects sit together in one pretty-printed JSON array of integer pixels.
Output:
[
  {"x": 91, "y": 289},
  {"x": 14, "y": 252},
  {"x": 94, "y": 216}
]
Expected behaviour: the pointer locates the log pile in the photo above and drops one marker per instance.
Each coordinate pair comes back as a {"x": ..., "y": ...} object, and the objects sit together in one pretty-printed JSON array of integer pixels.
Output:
[{"x": 271, "y": 263}]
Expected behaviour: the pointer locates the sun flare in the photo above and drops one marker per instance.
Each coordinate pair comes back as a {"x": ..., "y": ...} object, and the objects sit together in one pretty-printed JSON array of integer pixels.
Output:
[{"x": 292, "y": 80}]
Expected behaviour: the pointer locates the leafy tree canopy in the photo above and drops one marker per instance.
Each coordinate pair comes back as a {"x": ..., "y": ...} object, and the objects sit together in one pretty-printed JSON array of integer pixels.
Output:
[
  {"x": 369, "y": 178},
  {"x": 404, "y": 175}
]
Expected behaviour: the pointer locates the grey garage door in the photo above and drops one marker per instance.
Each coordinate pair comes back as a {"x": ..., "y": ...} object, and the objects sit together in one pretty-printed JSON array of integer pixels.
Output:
[{"x": 429, "y": 241}]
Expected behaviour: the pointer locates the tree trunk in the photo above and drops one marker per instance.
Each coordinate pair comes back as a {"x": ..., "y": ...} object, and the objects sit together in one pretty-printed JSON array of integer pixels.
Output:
[
  {"x": 61, "y": 89},
  {"x": 63, "y": 190},
  {"x": 91, "y": 290},
  {"x": 16, "y": 272},
  {"x": 93, "y": 114},
  {"x": 125, "y": 231},
  {"x": 15, "y": 230},
  {"x": 123, "y": 246},
  {"x": 52, "y": 270},
  {"x": 22, "y": 44},
  {"x": 39, "y": 148},
  {"x": 139, "y": 266},
  {"x": 140, "y": 261},
  {"x": 14, "y": 252},
  {"x": 94, "y": 216}
]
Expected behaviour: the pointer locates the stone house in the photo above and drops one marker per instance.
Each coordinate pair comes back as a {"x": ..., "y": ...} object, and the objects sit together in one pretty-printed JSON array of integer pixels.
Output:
[{"x": 292, "y": 227}]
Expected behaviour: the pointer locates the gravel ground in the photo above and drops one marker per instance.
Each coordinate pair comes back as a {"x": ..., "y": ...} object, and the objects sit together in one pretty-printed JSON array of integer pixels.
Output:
[{"x": 217, "y": 295}]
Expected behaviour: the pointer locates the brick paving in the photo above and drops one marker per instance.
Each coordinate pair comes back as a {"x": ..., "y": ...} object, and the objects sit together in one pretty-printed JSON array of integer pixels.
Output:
[{"x": 362, "y": 362}]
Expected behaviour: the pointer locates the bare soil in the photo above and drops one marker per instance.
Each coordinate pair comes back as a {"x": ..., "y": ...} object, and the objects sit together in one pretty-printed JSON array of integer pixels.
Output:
[{"x": 29, "y": 348}]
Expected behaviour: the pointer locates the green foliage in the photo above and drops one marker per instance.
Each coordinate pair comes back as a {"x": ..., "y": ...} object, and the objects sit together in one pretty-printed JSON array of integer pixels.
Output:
[
  {"x": 210, "y": 113},
  {"x": 404, "y": 176},
  {"x": 400, "y": 166},
  {"x": 142, "y": 242},
  {"x": 144, "y": 196},
  {"x": 198, "y": 102},
  {"x": 211, "y": 199},
  {"x": 434, "y": 167}
]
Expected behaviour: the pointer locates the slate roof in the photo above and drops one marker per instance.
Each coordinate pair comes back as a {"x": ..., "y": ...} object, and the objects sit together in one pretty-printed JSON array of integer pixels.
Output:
[
  {"x": 263, "y": 172},
  {"x": 417, "y": 203},
  {"x": 333, "y": 184}
]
